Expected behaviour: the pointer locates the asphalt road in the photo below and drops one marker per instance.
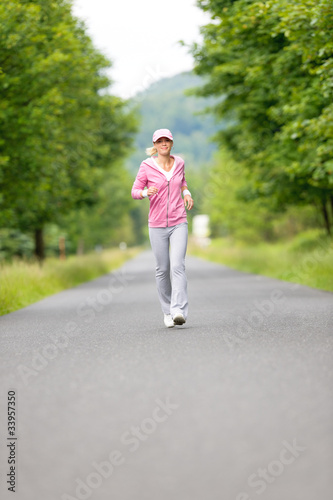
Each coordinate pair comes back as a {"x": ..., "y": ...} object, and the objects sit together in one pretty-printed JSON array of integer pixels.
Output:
[{"x": 234, "y": 405}]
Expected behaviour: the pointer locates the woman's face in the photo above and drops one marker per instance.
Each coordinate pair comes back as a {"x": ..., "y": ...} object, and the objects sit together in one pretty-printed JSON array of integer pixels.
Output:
[{"x": 163, "y": 146}]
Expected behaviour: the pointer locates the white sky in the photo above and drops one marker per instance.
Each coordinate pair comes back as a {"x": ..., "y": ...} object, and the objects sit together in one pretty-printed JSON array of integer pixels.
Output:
[{"x": 141, "y": 38}]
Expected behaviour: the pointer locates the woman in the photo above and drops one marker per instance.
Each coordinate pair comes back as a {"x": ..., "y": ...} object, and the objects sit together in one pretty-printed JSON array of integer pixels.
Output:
[{"x": 164, "y": 178}]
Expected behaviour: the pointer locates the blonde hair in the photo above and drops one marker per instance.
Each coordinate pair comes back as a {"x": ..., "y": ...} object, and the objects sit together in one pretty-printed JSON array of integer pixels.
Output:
[{"x": 151, "y": 151}]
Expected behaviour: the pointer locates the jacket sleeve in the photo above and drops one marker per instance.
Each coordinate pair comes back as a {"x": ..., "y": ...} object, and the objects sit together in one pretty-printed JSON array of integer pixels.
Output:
[
  {"x": 184, "y": 183},
  {"x": 139, "y": 183}
]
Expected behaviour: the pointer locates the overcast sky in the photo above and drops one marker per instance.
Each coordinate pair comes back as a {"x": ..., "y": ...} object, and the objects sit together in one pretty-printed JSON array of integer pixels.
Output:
[{"x": 141, "y": 38}]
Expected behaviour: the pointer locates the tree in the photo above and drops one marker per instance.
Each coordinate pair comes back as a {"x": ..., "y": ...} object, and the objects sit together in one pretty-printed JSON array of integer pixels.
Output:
[
  {"x": 273, "y": 64},
  {"x": 107, "y": 222},
  {"x": 59, "y": 129}
]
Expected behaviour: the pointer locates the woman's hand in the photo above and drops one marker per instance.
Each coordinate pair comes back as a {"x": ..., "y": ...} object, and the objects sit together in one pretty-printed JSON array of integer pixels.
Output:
[
  {"x": 152, "y": 190},
  {"x": 149, "y": 192},
  {"x": 188, "y": 202}
]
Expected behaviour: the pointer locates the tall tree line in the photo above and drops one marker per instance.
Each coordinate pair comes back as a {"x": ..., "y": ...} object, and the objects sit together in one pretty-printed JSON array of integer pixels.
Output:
[
  {"x": 60, "y": 129},
  {"x": 272, "y": 61}
]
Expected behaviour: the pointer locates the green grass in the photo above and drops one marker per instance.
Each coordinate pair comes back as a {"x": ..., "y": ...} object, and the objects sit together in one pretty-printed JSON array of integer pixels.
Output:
[
  {"x": 23, "y": 283},
  {"x": 307, "y": 259}
]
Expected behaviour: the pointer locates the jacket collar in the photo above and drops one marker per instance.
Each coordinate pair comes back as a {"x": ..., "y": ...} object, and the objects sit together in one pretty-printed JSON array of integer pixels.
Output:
[{"x": 178, "y": 161}]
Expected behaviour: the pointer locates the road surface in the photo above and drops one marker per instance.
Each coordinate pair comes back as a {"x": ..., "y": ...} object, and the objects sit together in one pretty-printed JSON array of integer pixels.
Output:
[{"x": 234, "y": 405}]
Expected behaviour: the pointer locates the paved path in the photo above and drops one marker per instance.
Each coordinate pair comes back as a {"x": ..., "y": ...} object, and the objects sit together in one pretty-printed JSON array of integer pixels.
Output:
[{"x": 237, "y": 404}]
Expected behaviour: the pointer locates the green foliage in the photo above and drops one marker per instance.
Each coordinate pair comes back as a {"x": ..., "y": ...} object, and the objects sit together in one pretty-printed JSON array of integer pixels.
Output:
[
  {"x": 58, "y": 128},
  {"x": 310, "y": 265},
  {"x": 14, "y": 242},
  {"x": 23, "y": 283},
  {"x": 223, "y": 194},
  {"x": 273, "y": 63},
  {"x": 108, "y": 221}
]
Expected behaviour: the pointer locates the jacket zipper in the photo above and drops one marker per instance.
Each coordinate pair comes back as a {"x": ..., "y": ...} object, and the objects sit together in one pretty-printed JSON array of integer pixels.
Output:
[{"x": 168, "y": 207}]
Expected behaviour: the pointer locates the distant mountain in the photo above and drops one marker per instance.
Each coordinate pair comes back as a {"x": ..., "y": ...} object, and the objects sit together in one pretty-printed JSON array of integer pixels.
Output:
[{"x": 165, "y": 105}]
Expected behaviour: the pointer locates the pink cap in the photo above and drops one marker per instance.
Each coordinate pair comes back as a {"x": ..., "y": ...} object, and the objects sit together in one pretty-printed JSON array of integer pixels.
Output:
[{"x": 162, "y": 132}]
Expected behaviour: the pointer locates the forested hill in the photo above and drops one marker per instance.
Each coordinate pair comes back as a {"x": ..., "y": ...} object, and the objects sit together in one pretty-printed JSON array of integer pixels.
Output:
[{"x": 165, "y": 105}]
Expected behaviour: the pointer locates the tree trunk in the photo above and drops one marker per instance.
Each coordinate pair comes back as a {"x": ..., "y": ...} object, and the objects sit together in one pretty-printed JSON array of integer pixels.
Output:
[
  {"x": 39, "y": 245},
  {"x": 326, "y": 217}
]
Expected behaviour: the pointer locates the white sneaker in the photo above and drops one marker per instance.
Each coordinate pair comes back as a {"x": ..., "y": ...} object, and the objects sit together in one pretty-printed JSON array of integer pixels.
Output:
[
  {"x": 179, "y": 319},
  {"x": 168, "y": 321}
]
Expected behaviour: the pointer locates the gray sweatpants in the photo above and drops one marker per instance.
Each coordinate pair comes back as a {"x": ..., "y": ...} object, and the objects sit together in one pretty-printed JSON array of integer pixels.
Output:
[{"x": 169, "y": 247}]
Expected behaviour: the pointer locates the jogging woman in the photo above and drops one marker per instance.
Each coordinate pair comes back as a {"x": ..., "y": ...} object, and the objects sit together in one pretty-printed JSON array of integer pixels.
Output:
[{"x": 161, "y": 178}]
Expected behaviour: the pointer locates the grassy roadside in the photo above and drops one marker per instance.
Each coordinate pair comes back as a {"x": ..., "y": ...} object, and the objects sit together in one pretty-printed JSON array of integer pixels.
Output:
[
  {"x": 307, "y": 259},
  {"x": 23, "y": 283}
]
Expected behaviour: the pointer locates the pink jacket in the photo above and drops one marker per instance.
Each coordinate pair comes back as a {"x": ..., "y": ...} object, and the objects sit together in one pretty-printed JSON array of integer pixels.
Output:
[{"x": 167, "y": 206}]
